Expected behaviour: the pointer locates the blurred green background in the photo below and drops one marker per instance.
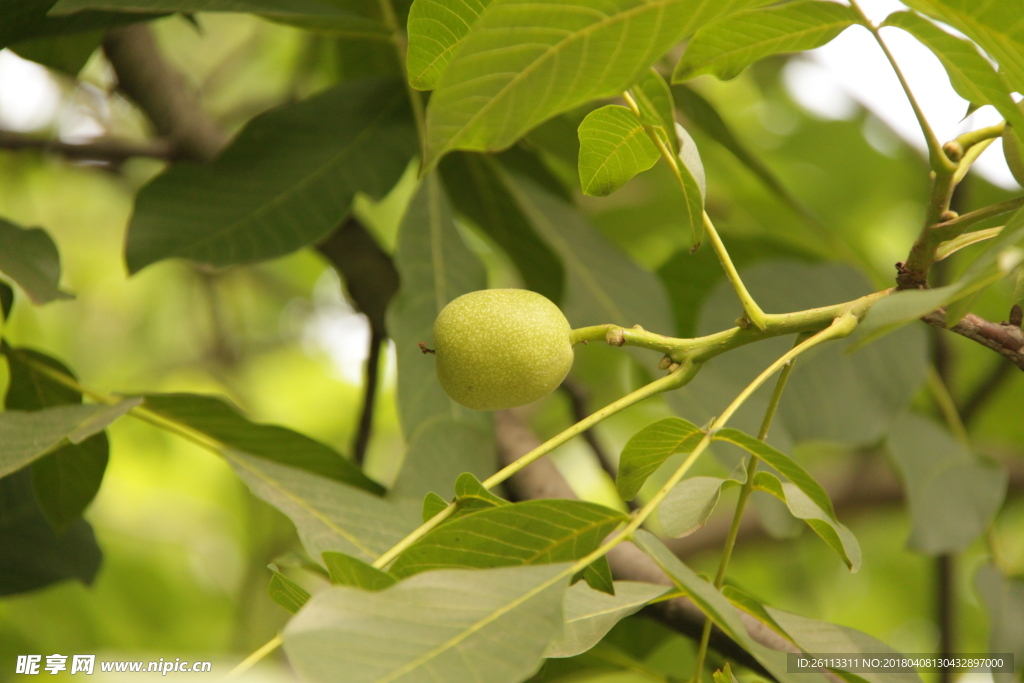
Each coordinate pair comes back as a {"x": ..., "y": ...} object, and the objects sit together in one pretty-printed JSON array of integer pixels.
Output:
[{"x": 186, "y": 546}]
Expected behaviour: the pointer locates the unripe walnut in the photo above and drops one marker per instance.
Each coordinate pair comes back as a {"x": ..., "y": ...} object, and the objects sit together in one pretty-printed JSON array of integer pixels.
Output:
[{"x": 501, "y": 348}]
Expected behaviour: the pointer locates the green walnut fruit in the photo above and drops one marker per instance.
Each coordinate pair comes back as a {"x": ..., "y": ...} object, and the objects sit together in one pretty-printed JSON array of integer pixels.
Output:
[{"x": 501, "y": 348}]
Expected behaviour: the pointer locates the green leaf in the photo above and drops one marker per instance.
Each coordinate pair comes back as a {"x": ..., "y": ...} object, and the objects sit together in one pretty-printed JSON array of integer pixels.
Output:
[
  {"x": 724, "y": 675},
  {"x": 812, "y": 635},
  {"x": 67, "y": 54},
  {"x": 225, "y": 423},
  {"x": 33, "y": 555},
  {"x": 523, "y": 62},
  {"x": 728, "y": 46},
  {"x": 590, "y": 614},
  {"x": 690, "y": 502},
  {"x": 952, "y": 495},
  {"x": 657, "y": 108},
  {"x": 287, "y": 593},
  {"x": 448, "y": 625},
  {"x": 602, "y": 285},
  {"x": 694, "y": 185},
  {"x": 22, "y": 20},
  {"x": 835, "y": 534},
  {"x": 786, "y": 466},
  {"x": 435, "y": 266},
  {"x": 29, "y": 257},
  {"x": 441, "y": 449},
  {"x": 284, "y": 182},
  {"x": 436, "y": 29},
  {"x": 531, "y": 532},
  {"x": 66, "y": 480},
  {"x": 614, "y": 147},
  {"x": 329, "y": 515},
  {"x": 598, "y": 575},
  {"x": 480, "y": 195},
  {"x": 719, "y": 610},
  {"x": 649, "y": 448},
  {"x": 971, "y": 75},
  {"x": 747, "y": 604},
  {"x": 1003, "y": 598},
  {"x": 470, "y": 494},
  {"x": 27, "y": 436},
  {"x": 345, "y": 570},
  {"x": 432, "y": 505},
  {"x": 269, "y": 8},
  {"x": 995, "y": 26}
]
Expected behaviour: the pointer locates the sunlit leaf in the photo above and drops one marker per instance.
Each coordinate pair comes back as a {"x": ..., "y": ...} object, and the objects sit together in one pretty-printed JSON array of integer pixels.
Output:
[
  {"x": 590, "y": 614},
  {"x": 230, "y": 429},
  {"x": 971, "y": 75},
  {"x": 531, "y": 532},
  {"x": 524, "y": 62},
  {"x": 436, "y": 29},
  {"x": 726, "y": 47},
  {"x": 345, "y": 570},
  {"x": 287, "y": 593},
  {"x": 613, "y": 148},
  {"x": 834, "y": 533},
  {"x": 329, "y": 515},
  {"x": 649, "y": 448},
  {"x": 451, "y": 625},
  {"x": 995, "y": 26},
  {"x": 284, "y": 182},
  {"x": 952, "y": 494},
  {"x": 29, "y": 257},
  {"x": 435, "y": 266},
  {"x": 657, "y": 108}
]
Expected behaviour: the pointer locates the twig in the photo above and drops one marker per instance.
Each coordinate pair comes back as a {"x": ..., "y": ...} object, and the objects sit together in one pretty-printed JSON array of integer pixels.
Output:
[
  {"x": 162, "y": 92},
  {"x": 111, "y": 150},
  {"x": 365, "y": 428},
  {"x": 1006, "y": 340}
]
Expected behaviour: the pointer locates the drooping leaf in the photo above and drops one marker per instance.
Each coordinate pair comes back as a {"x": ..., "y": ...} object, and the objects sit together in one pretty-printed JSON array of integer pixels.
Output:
[
  {"x": 287, "y": 593},
  {"x": 690, "y": 502},
  {"x": 27, "y": 436},
  {"x": 329, "y": 515},
  {"x": 657, "y": 107},
  {"x": 995, "y": 26},
  {"x": 614, "y": 147},
  {"x": 694, "y": 185},
  {"x": 649, "y": 448},
  {"x": 602, "y": 284},
  {"x": 524, "y": 62},
  {"x": 66, "y": 480},
  {"x": 726, "y": 47},
  {"x": 971, "y": 75},
  {"x": 952, "y": 494},
  {"x": 834, "y": 533},
  {"x": 1003, "y": 598},
  {"x": 435, "y": 266},
  {"x": 436, "y": 29},
  {"x": 439, "y": 451},
  {"x": 817, "y": 636},
  {"x": 786, "y": 465},
  {"x": 718, "y": 609},
  {"x": 284, "y": 182},
  {"x": 32, "y": 554},
  {"x": 29, "y": 257},
  {"x": 479, "y": 195},
  {"x": 345, "y": 570},
  {"x": 230, "y": 429},
  {"x": 448, "y": 625},
  {"x": 590, "y": 614},
  {"x": 532, "y": 532}
]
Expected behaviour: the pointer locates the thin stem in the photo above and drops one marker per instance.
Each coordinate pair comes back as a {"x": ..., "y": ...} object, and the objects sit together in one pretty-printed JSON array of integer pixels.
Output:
[
  {"x": 362, "y": 439},
  {"x": 937, "y": 157},
  {"x": 947, "y": 406},
  {"x": 959, "y": 225},
  {"x": 969, "y": 157},
  {"x": 400, "y": 547},
  {"x": 947, "y": 249},
  {"x": 256, "y": 656},
  {"x": 752, "y": 311},
  {"x": 741, "y": 504},
  {"x": 973, "y": 137},
  {"x": 401, "y": 43}
]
